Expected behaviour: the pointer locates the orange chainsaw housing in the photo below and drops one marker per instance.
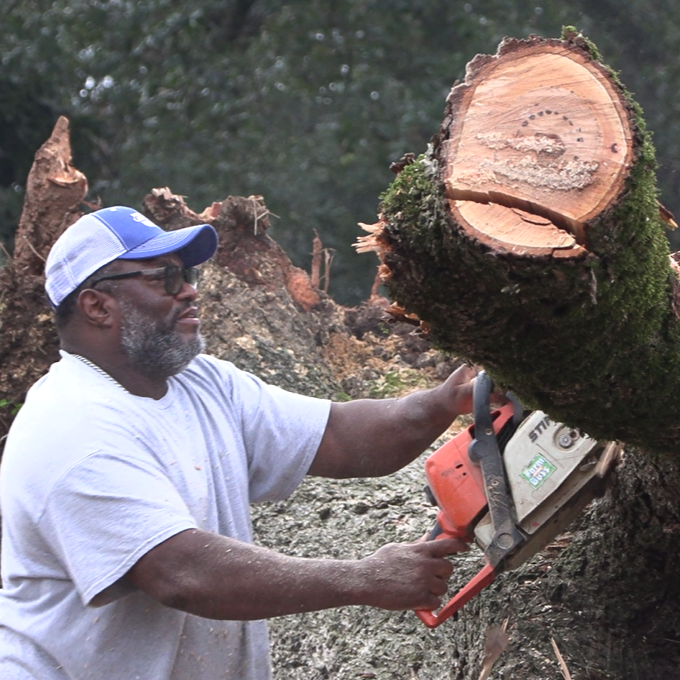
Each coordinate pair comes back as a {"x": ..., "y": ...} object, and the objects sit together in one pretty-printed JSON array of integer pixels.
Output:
[{"x": 457, "y": 483}]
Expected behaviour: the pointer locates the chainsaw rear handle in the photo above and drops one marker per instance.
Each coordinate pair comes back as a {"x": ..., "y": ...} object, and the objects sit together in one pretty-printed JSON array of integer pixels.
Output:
[
  {"x": 483, "y": 578},
  {"x": 484, "y": 452}
]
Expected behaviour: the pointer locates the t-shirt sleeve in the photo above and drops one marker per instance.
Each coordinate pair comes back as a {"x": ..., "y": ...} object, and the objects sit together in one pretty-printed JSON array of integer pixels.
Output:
[
  {"x": 282, "y": 432},
  {"x": 105, "y": 513}
]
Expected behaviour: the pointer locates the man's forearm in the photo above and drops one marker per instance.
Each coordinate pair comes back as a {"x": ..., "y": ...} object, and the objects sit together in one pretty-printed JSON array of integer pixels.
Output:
[
  {"x": 369, "y": 438},
  {"x": 221, "y": 578},
  {"x": 249, "y": 582}
]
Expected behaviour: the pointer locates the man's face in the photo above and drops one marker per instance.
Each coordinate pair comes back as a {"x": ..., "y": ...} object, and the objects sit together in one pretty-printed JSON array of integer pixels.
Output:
[{"x": 159, "y": 332}]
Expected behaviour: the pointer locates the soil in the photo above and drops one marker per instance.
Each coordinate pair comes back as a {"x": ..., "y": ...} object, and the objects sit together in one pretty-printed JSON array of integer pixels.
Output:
[{"x": 606, "y": 629}]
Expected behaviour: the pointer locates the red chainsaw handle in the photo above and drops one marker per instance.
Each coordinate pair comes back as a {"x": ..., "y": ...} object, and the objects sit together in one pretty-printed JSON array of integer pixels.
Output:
[{"x": 465, "y": 594}]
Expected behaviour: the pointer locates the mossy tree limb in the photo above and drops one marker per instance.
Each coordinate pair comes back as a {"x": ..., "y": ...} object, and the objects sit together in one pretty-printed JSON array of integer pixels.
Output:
[
  {"x": 573, "y": 304},
  {"x": 529, "y": 239}
]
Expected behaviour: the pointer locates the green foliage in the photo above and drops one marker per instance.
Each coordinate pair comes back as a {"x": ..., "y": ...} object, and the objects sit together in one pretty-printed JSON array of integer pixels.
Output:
[
  {"x": 341, "y": 396},
  {"x": 13, "y": 408},
  {"x": 305, "y": 102}
]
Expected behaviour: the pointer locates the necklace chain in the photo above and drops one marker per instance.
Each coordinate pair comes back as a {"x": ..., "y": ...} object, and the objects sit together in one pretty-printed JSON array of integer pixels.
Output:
[{"x": 99, "y": 370}]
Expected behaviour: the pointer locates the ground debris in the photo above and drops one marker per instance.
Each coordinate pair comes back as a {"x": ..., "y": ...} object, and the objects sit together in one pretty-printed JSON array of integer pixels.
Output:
[{"x": 496, "y": 641}]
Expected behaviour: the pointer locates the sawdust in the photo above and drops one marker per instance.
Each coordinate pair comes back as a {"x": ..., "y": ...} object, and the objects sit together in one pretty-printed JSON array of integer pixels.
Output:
[{"x": 342, "y": 353}]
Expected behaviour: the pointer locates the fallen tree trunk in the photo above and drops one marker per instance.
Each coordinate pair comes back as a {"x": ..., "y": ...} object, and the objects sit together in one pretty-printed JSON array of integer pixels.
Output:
[{"x": 529, "y": 239}]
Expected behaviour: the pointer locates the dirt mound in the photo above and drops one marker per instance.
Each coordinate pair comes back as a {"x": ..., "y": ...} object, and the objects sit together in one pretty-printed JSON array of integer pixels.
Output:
[{"x": 263, "y": 313}]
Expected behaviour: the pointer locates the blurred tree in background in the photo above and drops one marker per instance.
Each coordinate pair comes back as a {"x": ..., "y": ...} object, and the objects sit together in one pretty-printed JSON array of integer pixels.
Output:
[{"x": 305, "y": 102}]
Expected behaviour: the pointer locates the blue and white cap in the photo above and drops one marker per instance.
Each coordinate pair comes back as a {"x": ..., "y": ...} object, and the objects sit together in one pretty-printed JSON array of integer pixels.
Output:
[{"x": 118, "y": 233}]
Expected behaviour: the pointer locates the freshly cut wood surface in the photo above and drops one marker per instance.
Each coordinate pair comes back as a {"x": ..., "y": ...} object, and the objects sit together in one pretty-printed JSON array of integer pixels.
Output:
[
  {"x": 537, "y": 131},
  {"x": 513, "y": 229}
]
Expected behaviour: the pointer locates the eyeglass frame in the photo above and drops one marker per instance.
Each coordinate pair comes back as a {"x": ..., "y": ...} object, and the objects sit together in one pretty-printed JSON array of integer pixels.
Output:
[{"x": 189, "y": 275}]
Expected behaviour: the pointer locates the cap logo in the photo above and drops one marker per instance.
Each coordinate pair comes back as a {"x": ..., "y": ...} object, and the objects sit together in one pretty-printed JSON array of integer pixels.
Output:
[{"x": 138, "y": 217}]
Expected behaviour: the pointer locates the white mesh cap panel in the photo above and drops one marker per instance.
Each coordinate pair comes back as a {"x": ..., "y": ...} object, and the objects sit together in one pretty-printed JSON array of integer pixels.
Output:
[{"x": 83, "y": 248}]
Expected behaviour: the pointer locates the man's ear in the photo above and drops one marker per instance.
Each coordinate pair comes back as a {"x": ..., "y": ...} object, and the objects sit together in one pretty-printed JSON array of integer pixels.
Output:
[{"x": 97, "y": 308}]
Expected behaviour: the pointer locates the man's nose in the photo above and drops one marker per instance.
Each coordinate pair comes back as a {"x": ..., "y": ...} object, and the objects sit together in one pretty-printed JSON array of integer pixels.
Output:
[{"x": 187, "y": 292}]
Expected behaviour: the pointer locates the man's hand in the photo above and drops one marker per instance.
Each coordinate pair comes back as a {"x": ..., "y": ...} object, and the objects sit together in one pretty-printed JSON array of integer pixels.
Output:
[
  {"x": 410, "y": 575},
  {"x": 460, "y": 385}
]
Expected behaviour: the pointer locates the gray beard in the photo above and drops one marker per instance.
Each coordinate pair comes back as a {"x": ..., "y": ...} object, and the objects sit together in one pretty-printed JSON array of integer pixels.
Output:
[{"x": 156, "y": 350}]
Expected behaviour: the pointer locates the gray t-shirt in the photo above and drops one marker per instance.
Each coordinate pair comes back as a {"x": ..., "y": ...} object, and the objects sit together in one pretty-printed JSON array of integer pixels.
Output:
[{"x": 93, "y": 477}]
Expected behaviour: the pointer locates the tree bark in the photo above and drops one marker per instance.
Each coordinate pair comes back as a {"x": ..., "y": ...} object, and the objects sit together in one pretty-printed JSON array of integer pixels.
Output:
[{"x": 529, "y": 240}]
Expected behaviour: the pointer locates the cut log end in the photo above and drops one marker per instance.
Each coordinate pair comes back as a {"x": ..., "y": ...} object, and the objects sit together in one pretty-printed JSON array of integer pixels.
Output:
[
  {"x": 508, "y": 229},
  {"x": 536, "y": 142}
]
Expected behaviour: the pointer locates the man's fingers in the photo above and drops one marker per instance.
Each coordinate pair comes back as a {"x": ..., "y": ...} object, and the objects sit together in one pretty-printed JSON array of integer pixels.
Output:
[
  {"x": 439, "y": 587},
  {"x": 462, "y": 375},
  {"x": 445, "y": 546}
]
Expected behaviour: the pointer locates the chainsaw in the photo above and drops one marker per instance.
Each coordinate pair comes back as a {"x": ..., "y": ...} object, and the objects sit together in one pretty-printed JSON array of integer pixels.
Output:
[{"x": 510, "y": 482}]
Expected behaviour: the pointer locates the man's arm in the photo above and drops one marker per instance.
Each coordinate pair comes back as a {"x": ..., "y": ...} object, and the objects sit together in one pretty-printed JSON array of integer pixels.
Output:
[
  {"x": 222, "y": 578},
  {"x": 373, "y": 437}
]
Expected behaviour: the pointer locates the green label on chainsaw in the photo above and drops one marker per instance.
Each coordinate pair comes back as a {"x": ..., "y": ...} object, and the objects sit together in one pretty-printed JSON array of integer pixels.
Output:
[{"x": 538, "y": 471}]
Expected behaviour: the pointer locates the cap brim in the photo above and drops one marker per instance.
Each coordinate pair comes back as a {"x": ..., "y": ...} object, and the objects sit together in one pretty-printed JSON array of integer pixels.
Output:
[{"x": 193, "y": 245}]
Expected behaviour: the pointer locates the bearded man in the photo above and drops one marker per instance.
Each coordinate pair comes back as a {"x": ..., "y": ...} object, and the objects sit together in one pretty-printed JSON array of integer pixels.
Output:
[{"x": 128, "y": 473}]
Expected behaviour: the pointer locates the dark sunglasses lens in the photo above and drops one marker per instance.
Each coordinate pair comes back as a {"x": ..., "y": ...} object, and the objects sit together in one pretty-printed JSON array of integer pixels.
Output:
[
  {"x": 175, "y": 277},
  {"x": 191, "y": 276},
  {"x": 173, "y": 280}
]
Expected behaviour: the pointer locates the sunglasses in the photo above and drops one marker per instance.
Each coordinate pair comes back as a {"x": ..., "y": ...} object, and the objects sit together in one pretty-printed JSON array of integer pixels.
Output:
[{"x": 174, "y": 277}]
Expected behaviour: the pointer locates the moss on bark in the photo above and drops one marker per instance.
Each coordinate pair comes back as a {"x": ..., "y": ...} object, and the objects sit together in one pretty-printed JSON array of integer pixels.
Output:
[{"x": 591, "y": 340}]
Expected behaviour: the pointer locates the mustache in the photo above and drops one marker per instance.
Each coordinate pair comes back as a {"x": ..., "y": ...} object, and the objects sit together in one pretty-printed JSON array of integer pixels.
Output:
[{"x": 178, "y": 313}]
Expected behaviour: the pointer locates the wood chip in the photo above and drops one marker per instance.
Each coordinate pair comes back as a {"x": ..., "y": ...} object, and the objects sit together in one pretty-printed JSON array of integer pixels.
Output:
[
  {"x": 563, "y": 666},
  {"x": 496, "y": 641}
]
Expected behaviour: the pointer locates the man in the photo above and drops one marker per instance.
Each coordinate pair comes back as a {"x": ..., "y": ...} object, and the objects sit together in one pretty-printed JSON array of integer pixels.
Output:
[{"x": 127, "y": 475}]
